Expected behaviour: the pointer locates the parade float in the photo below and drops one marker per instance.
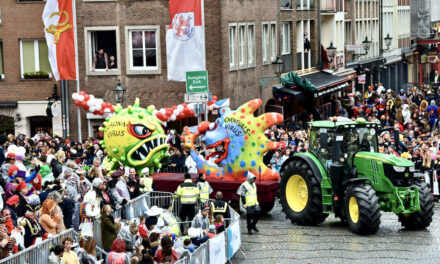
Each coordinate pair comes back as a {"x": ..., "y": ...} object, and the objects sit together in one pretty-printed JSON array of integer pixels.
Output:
[{"x": 135, "y": 137}]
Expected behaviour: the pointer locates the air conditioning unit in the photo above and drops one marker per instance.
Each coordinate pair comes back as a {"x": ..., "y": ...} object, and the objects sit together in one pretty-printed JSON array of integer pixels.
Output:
[{"x": 432, "y": 59}]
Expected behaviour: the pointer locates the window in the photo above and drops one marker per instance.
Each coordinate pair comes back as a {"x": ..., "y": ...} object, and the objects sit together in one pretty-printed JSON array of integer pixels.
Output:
[
  {"x": 34, "y": 57},
  {"x": 232, "y": 47},
  {"x": 348, "y": 37},
  {"x": 286, "y": 4},
  {"x": 102, "y": 50},
  {"x": 285, "y": 38},
  {"x": 273, "y": 41},
  {"x": 143, "y": 49},
  {"x": 304, "y": 4},
  {"x": 242, "y": 46},
  {"x": 265, "y": 43},
  {"x": 251, "y": 44}
]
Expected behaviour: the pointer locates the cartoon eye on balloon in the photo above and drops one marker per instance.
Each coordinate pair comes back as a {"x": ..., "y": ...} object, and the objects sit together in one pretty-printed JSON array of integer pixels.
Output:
[
  {"x": 212, "y": 126},
  {"x": 140, "y": 131}
]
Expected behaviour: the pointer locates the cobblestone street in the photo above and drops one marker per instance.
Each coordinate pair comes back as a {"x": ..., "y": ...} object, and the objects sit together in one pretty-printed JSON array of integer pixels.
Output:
[{"x": 279, "y": 241}]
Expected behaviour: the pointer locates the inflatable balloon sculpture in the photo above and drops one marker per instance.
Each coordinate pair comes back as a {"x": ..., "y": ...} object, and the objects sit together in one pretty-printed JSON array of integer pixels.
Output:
[
  {"x": 237, "y": 143},
  {"x": 135, "y": 137}
]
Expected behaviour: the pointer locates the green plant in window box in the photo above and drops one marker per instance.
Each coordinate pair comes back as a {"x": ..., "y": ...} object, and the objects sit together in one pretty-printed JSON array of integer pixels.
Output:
[{"x": 36, "y": 75}]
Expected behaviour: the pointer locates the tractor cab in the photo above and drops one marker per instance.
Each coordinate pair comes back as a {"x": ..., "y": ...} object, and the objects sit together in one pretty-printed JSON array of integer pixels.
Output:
[{"x": 339, "y": 141}]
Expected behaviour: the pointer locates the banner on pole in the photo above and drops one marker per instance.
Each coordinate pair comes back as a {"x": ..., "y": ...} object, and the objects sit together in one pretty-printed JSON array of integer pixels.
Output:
[
  {"x": 58, "y": 19},
  {"x": 185, "y": 39},
  {"x": 217, "y": 251}
]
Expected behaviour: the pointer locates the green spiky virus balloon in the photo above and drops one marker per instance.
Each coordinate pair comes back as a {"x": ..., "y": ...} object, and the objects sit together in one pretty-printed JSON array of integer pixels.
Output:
[{"x": 135, "y": 137}]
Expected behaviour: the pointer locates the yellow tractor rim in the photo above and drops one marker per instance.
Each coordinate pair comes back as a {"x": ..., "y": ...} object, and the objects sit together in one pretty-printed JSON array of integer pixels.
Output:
[
  {"x": 297, "y": 193},
  {"x": 353, "y": 209}
]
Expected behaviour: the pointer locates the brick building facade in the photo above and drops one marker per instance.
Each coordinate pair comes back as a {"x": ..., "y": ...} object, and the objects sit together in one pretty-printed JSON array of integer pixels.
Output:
[{"x": 134, "y": 33}]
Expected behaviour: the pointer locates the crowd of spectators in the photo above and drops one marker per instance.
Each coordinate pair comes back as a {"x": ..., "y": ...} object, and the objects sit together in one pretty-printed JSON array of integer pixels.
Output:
[{"x": 50, "y": 184}]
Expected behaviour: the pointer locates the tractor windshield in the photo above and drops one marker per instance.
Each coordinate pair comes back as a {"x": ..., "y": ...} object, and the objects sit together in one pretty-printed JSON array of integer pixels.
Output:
[{"x": 367, "y": 140}]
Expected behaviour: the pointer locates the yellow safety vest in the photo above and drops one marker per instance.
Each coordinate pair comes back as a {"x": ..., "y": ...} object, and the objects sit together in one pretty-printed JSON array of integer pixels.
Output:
[
  {"x": 188, "y": 192},
  {"x": 204, "y": 191},
  {"x": 148, "y": 184},
  {"x": 251, "y": 194},
  {"x": 171, "y": 221},
  {"x": 220, "y": 210}
]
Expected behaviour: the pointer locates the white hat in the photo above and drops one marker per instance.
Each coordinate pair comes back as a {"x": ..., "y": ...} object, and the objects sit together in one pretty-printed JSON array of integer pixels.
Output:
[
  {"x": 145, "y": 171},
  {"x": 251, "y": 175},
  {"x": 154, "y": 211},
  {"x": 96, "y": 182}
]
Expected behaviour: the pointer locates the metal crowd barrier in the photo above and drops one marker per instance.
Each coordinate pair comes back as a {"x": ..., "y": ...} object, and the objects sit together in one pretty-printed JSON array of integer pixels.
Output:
[
  {"x": 39, "y": 253},
  {"x": 177, "y": 169},
  {"x": 139, "y": 207}
]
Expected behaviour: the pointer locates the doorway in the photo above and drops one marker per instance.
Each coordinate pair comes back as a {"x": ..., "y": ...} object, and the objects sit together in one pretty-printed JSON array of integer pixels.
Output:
[{"x": 40, "y": 124}]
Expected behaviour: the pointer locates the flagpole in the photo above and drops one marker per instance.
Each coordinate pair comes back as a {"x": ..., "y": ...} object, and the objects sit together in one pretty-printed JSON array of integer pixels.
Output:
[
  {"x": 204, "y": 52},
  {"x": 77, "y": 70}
]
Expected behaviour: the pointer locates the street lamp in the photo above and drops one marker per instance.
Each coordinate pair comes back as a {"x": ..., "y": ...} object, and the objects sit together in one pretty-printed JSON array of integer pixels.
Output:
[
  {"x": 366, "y": 45},
  {"x": 388, "y": 40},
  {"x": 119, "y": 93},
  {"x": 331, "y": 51},
  {"x": 279, "y": 64}
]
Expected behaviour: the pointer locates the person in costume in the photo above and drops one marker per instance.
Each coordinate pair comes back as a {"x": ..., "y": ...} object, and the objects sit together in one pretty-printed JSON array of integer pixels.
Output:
[
  {"x": 89, "y": 209},
  {"x": 29, "y": 222}
]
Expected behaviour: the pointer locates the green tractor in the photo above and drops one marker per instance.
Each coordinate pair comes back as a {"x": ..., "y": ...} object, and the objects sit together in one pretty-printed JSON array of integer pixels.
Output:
[{"x": 343, "y": 173}]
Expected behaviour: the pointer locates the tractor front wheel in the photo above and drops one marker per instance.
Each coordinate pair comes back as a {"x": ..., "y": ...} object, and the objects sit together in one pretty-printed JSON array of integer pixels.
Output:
[
  {"x": 301, "y": 194},
  {"x": 422, "y": 218},
  {"x": 362, "y": 209}
]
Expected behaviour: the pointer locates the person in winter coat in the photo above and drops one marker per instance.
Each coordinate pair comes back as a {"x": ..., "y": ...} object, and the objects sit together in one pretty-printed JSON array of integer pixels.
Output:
[
  {"x": 201, "y": 219},
  {"x": 57, "y": 163},
  {"x": 115, "y": 198},
  {"x": 166, "y": 251},
  {"x": 117, "y": 254},
  {"x": 56, "y": 255},
  {"x": 109, "y": 228},
  {"x": 87, "y": 253},
  {"x": 22, "y": 191},
  {"x": 406, "y": 114}
]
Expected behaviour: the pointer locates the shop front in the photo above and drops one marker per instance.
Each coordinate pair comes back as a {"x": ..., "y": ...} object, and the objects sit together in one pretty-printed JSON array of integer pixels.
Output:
[{"x": 299, "y": 102}]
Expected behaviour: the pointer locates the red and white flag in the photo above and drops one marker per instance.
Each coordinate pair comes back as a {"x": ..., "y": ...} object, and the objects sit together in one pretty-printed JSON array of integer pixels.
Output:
[
  {"x": 185, "y": 39},
  {"x": 58, "y": 28}
]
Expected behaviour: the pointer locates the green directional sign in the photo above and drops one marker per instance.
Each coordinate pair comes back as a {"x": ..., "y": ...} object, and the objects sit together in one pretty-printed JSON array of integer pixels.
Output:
[{"x": 197, "y": 82}]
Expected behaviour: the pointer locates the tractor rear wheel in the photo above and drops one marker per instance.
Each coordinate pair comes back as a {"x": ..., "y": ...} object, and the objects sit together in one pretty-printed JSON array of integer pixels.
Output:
[
  {"x": 362, "y": 209},
  {"x": 422, "y": 218},
  {"x": 300, "y": 194}
]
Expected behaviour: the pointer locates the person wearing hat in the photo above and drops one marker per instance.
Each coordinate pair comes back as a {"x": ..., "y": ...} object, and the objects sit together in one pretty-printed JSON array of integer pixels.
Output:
[
  {"x": 22, "y": 190},
  {"x": 146, "y": 182},
  {"x": 153, "y": 215},
  {"x": 204, "y": 188},
  {"x": 29, "y": 222},
  {"x": 169, "y": 220},
  {"x": 121, "y": 185},
  {"x": 11, "y": 205},
  {"x": 188, "y": 193},
  {"x": 248, "y": 195},
  {"x": 6, "y": 243}
]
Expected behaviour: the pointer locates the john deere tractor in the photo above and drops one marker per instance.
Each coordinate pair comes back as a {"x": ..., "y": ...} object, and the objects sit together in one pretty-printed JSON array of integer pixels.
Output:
[{"x": 343, "y": 173}]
